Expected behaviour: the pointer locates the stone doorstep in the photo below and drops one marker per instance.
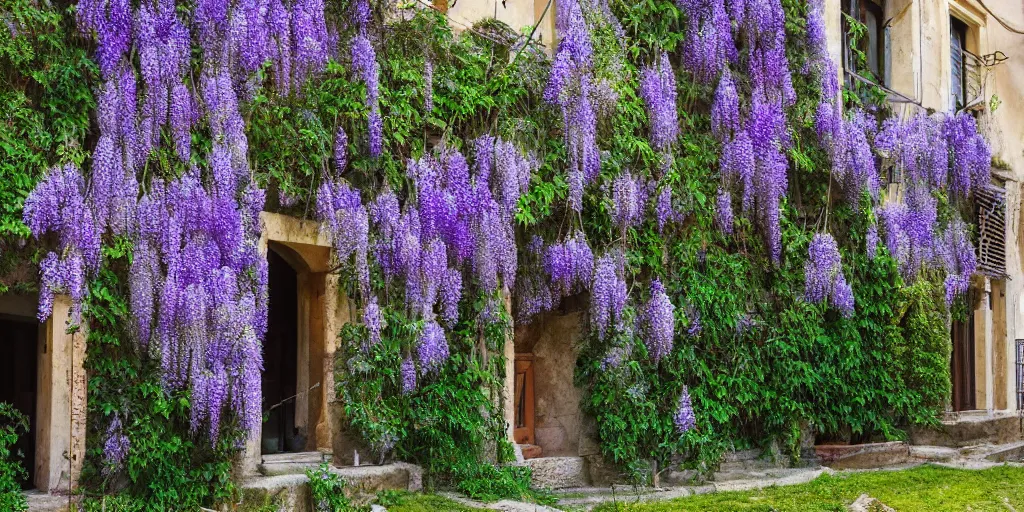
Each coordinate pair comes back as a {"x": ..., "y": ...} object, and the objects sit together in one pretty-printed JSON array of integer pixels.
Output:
[
  {"x": 861, "y": 456},
  {"x": 39, "y": 501},
  {"x": 558, "y": 472}
]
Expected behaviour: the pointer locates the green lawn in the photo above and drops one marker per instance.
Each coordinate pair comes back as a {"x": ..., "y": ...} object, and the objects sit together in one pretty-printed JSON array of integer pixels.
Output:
[{"x": 925, "y": 488}]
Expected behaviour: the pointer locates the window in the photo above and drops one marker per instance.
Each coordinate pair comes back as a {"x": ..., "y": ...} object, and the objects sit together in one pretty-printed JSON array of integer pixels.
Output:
[
  {"x": 958, "y": 45},
  {"x": 966, "y": 67},
  {"x": 870, "y": 56}
]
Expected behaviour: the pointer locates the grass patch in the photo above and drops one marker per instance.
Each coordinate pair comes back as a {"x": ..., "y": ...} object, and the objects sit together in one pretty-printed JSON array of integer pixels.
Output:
[{"x": 925, "y": 488}]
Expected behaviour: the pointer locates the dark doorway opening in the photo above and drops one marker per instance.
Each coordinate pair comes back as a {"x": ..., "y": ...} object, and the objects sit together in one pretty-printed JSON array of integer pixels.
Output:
[
  {"x": 18, "y": 378},
  {"x": 962, "y": 364},
  {"x": 280, "y": 359}
]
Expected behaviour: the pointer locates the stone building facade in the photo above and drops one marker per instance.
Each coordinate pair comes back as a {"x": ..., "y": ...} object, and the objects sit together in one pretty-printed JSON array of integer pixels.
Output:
[{"x": 914, "y": 49}]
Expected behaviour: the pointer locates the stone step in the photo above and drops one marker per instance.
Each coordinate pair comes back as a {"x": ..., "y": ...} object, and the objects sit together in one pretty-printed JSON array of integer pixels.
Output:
[
  {"x": 39, "y": 501},
  {"x": 772, "y": 473},
  {"x": 934, "y": 453},
  {"x": 863, "y": 456},
  {"x": 1009, "y": 452},
  {"x": 970, "y": 429},
  {"x": 558, "y": 472},
  {"x": 290, "y": 491},
  {"x": 291, "y": 463}
]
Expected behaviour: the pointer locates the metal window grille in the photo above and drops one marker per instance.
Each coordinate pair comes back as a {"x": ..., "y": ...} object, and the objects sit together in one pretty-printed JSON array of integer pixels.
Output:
[{"x": 990, "y": 203}]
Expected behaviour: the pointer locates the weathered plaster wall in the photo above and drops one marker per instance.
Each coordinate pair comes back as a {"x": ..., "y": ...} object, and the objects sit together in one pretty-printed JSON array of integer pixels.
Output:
[
  {"x": 517, "y": 14},
  {"x": 1006, "y": 133}
]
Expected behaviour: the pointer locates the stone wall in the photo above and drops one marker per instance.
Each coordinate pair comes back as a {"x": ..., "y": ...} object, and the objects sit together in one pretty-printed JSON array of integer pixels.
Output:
[{"x": 561, "y": 428}]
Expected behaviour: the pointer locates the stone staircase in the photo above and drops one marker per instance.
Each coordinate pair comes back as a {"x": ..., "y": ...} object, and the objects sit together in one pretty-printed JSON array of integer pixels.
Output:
[{"x": 282, "y": 480}]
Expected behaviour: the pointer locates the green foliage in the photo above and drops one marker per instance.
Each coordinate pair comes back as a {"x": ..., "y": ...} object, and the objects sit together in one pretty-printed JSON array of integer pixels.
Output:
[
  {"x": 854, "y": 379},
  {"x": 449, "y": 420},
  {"x": 328, "y": 490},
  {"x": 167, "y": 467},
  {"x": 45, "y": 74},
  {"x": 13, "y": 424}
]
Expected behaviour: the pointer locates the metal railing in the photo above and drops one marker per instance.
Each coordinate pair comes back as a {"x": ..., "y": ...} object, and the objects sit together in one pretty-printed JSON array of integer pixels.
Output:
[{"x": 1020, "y": 375}]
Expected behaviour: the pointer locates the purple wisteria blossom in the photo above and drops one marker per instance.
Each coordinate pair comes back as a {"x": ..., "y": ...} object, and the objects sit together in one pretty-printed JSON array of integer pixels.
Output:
[
  {"x": 725, "y": 111},
  {"x": 615, "y": 357},
  {"x": 629, "y": 196},
  {"x": 607, "y": 294},
  {"x": 709, "y": 45},
  {"x": 658, "y": 322},
  {"x": 569, "y": 265},
  {"x": 684, "y": 418},
  {"x": 408, "y": 372},
  {"x": 956, "y": 253},
  {"x": 432, "y": 347},
  {"x": 723, "y": 212},
  {"x": 340, "y": 151},
  {"x": 374, "y": 322},
  {"x": 658, "y": 90},
  {"x": 823, "y": 275},
  {"x": 116, "y": 446}
]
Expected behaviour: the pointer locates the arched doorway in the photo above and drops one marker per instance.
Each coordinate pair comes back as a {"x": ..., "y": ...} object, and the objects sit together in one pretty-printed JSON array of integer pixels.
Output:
[
  {"x": 280, "y": 359},
  {"x": 19, "y": 382}
]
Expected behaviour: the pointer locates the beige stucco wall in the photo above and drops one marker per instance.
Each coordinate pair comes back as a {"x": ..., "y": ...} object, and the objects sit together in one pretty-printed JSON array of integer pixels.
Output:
[{"x": 518, "y": 14}]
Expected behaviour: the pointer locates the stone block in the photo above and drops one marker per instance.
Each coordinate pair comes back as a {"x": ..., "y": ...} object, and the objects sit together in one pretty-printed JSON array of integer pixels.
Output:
[
  {"x": 603, "y": 473},
  {"x": 863, "y": 456},
  {"x": 970, "y": 431},
  {"x": 558, "y": 472}
]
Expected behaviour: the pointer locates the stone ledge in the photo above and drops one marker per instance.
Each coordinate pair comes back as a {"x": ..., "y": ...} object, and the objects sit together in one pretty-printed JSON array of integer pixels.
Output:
[
  {"x": 970, "y": 430},
  {"x": 863, "y": 456}
]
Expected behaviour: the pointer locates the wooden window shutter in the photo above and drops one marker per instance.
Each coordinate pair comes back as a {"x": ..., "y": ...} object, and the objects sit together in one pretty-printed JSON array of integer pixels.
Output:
[{"x": 990, "y": 204}]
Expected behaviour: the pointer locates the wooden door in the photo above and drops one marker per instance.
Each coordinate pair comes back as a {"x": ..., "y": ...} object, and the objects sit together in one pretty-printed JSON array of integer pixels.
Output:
[
  {"x": 523, "y": 392},
  {"x": 962, "y": 364}
]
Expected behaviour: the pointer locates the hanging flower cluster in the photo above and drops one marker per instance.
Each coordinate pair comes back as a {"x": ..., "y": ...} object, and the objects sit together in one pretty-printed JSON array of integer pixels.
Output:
[
  {"x": 957, "y": 254},
  {"x": 658, "y": 90},
  {"x": 198, "y": 284},
  {"x": 658, "y": 322},
  {"x": 115, "y": 446},
  {"x": 931, "y": 153},
  {"x": 574, "y": 89},
  {"x": 199, "y": 293},
  {"x": 753, "y": 159},
  {"x": 629, "y": 198},
  {"x": 684, "y": 418},
  {"x": 455, "y": 229},
  {"x": 823, "y": 275},
  {"x": 366, "y": 68},
  {"x": 59, "y": 205},
  {"x": 608, "y": 294},
  {"x": 708, "y": 46},
  {"x": 340, "y": 151}
]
